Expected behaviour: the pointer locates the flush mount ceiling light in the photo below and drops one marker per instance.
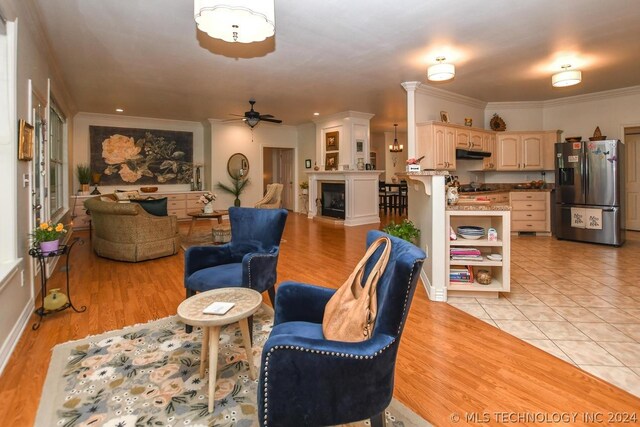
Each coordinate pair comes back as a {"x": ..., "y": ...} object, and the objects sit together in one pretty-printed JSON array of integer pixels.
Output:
[
  {"x": 395, "y": 147},
  {"x": 566, "y": 77},
  {"x": 441, "y": 71},
  {"x": 242, "y": 21}
]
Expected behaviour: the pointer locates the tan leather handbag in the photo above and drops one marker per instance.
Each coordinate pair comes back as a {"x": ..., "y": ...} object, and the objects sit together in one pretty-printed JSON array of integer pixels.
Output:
[{"x": 350, "y": 314}]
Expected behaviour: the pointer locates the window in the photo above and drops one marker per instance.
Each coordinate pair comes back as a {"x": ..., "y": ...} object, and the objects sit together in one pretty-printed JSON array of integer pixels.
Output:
[
  {"x": 8, "y": 147},
  {"x": 56, "y": 162}
]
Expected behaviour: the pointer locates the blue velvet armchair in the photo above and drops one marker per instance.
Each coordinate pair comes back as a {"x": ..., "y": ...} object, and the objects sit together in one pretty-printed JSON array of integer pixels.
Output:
[
  {"x": 308, "y": 380},
  {"x": 248, "y": 260}
]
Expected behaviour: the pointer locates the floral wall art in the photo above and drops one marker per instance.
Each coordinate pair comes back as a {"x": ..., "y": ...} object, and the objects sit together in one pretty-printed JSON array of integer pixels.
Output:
[{"x": 141, "y": 156}]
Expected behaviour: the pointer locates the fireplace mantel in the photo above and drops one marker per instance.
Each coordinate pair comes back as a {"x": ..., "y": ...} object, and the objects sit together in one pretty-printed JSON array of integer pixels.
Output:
[{"x": 361, "y": 194}]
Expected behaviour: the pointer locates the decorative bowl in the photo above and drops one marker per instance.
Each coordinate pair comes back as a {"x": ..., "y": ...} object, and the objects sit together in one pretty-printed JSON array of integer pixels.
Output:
[
  {"x": 471, "y": 236},
  {"x": 573, "y": 139},
  {"x": 148, "y": 189},
  {"x": 483, "y": 277}
]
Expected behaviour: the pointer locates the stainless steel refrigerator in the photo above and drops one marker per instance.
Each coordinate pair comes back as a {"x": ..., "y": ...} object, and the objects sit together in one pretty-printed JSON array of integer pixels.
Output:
[{"x": 590, "y": 191}]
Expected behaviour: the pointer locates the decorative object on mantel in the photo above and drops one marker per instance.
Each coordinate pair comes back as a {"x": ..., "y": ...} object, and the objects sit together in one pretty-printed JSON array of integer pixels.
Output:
[
  {"x": 468, "y": 121},
  {"x": 315, "y": 166},
  {"x": 95, "y": 180},
  {"x": 331, "y": 161},
  {"x": 573, "y": 139},
  {"x": 497, "y": 124},
  {"x": 241, "y": 21},
  {"x": 597, "y": 135},
  {"x": 47, "y": 236},
  {"x": 444, "y": 117},
  {"x": 360, "y": 164}
]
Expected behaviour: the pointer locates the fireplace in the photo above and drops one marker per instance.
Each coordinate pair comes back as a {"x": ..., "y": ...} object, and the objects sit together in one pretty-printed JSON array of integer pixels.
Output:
[{"x": 333, "y": 200}]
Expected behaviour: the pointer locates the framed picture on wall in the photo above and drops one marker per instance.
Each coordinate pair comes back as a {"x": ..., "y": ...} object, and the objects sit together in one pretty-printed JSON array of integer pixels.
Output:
[
  {"x": 307, "y": 163},
  {"x": 331, "y": 161},
  {"x": 25, "y": 141},
  {"x": 444, "y": 117},
  {"x": 332, "y": 141},
  {"x": 359, "y": 146}
]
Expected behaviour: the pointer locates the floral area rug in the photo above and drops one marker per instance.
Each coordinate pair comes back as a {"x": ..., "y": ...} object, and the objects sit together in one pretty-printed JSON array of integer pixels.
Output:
[{"x": 147, "y": 376}]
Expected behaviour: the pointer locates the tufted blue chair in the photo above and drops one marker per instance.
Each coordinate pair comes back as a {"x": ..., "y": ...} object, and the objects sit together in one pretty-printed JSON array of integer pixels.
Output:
[
  {"x": 310, "y": 381},
  {"x": 249, "y": 259}
]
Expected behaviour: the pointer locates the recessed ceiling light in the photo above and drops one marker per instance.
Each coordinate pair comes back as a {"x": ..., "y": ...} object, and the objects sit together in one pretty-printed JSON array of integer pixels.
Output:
[
  {"x": 119, "y": 110},
  {"x": 316, "y": 114}
]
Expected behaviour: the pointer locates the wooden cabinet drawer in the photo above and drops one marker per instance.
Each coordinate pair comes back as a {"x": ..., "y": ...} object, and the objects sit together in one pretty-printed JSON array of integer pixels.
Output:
[
  {"x": 528, "y": 225},
  {"x": 528, "y": 195},
  {"x": 529, "y": 215},
  {"x": 528, "y": 206},
  {"x": 176, "y": 204},
  {"x": 194, "y": 196},
  {"x": 174, "y": 197}
]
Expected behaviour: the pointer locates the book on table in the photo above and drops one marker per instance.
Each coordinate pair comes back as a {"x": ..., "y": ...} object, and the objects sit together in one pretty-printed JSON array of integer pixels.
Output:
[{"x": 218, "y": 308}]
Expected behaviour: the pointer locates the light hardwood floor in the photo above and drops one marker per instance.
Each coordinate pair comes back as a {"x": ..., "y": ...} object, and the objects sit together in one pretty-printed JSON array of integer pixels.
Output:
[{"x": 449, "y": 363}]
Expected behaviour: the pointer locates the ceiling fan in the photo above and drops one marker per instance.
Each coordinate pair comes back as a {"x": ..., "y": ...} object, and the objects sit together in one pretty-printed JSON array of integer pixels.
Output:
[{"x": 253, "y": 117}]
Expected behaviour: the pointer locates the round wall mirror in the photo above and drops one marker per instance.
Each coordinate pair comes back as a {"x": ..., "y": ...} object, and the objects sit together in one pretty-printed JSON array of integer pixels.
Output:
[{"x": 238, "y": 165}]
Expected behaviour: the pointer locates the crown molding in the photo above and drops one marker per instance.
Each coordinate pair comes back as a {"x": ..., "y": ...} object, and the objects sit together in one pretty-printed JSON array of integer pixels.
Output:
[
  {"x": 450, "y": 96},
  {"x": 111, "y": 117},
  {"x": 516, "y": 105},
  {"x": 595, "y": 96},
  {"x": 344, "y": 115}
]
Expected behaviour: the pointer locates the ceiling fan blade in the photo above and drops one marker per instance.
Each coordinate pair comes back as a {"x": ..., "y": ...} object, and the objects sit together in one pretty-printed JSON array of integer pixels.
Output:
[
  {"x": 237, "y": 115},
  {"x": 271, "y": 120},
  {"x": 240, "y": 118},
  {"x": 266, "y": 116}
]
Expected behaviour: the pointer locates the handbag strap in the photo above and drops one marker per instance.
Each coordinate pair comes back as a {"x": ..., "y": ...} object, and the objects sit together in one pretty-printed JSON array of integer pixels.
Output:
[{"x": 377, "y": 270}]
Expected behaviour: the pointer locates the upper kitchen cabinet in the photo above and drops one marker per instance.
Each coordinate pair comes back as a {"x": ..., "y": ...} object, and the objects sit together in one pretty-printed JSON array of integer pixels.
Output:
[
  {"x": 519, "y": 151},
  {"x": 489, "y": 145},
  {"x": 437, "y": 143},
  {"x": 522, "y": 151}
]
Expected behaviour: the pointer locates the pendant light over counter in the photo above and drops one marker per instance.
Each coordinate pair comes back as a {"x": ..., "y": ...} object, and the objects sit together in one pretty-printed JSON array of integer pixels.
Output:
[{"x": 395, "y": 147}]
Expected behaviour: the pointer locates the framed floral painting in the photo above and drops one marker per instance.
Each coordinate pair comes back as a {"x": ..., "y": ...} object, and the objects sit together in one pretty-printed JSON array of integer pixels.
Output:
[{"x": 141, "y": 156}]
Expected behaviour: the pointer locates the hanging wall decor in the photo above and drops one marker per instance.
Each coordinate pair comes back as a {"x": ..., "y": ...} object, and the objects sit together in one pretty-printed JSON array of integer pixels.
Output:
[
  {"x": 141, "y": 156},
  {"x": 25, "y": 141}
]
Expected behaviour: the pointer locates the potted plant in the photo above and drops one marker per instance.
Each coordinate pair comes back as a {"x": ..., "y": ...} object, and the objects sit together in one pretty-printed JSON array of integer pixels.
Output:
[
  {"x": 406, "y": 230},
  {"x": 238, "y": 183},
  {"x": 304, "y": 186},
  {"x": 47, "y": 236},
  {"x": 84, "y": 177}
]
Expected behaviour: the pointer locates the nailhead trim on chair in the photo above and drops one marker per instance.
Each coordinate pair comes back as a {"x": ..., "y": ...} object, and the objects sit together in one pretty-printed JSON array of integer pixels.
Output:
[
  {"x": 322, "y": 352},
  {"x": 251, "y": 259}
]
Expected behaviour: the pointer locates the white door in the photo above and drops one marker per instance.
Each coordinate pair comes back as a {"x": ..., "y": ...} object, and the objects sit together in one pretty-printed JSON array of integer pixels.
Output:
[{"x": 632, "y": 180}]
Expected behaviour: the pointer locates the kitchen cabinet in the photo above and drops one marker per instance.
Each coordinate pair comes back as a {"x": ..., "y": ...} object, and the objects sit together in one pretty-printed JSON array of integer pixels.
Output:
[
  {"x": 437, "y": 143},
  {"x": 530, "y": 211},
  {"x": 523, "y": 151},
  {"x": 489, "y": 145},
  {"x": 475, "y": 141},
  {"x": 500, "y": 270},
  {"x": 463, "y": 138}
]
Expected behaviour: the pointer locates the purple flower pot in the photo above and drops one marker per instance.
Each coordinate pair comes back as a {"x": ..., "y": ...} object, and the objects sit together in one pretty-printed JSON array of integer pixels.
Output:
[{"x": 47, "y": 247}]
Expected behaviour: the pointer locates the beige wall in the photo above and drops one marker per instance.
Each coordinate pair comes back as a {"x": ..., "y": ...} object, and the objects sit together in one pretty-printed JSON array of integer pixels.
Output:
[{"x": 33, "y": 63}]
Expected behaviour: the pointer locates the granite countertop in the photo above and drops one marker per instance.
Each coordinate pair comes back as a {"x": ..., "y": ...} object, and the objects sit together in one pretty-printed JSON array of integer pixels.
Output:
[
  {"x": 425, "y": 173},
  {"x": 479, "y": 207}
]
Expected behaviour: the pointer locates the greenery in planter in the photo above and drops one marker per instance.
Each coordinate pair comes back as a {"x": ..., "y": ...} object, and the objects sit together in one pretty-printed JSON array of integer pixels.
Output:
[
  {"x": 84, "y": 174},
  {"x": 238, "y": 183},
  {"x": 405, "y": 230},
  {"x": 304, "y": 185}
]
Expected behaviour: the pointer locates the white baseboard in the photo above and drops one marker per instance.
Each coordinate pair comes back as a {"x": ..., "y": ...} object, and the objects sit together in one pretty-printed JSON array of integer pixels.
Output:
[
  {"x": 16, "y": 332},
  {"x": 433, "y": 293}
]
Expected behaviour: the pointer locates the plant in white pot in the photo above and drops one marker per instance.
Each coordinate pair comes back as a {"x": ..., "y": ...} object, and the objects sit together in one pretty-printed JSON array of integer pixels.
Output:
[{"x": 304, "y": 187}]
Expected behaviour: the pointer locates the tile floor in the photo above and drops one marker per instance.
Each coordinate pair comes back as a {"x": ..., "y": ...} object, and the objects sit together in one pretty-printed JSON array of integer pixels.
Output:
[{"x": 577, "y": 301}]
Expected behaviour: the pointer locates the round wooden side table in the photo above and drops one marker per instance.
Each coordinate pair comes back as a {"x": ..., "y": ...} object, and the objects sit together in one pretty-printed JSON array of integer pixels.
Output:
[{"x": 247, "y": 301}]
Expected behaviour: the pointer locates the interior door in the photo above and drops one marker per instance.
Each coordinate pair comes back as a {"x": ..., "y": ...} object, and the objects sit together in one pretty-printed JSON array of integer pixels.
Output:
[
  {"x": 286, "y": 177},
  {"x": 632, "y": 178}
]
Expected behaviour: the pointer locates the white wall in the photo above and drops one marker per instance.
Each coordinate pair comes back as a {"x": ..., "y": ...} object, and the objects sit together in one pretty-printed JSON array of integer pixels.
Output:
[
  {"x": 430, "y": 102},
  {"x": 518, "y": 116},
  {"x": 230, "y": 138},
  {"x": 377, "y": 146},
  {"x": 81, "y": 146}
]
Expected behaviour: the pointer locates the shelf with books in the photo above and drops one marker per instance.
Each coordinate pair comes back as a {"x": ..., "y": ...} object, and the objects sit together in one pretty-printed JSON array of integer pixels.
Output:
[{"x": 475, "y": 253}]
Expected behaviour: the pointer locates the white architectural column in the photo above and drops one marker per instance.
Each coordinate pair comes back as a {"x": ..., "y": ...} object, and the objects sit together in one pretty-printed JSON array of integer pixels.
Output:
[{"x": 411, "y": 88}]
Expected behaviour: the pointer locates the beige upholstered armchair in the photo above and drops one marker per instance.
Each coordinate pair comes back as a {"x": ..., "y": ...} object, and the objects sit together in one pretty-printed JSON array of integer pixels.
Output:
[
  {"x": 272, "y": 199},
  {"x": 126, "y": 232}
]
